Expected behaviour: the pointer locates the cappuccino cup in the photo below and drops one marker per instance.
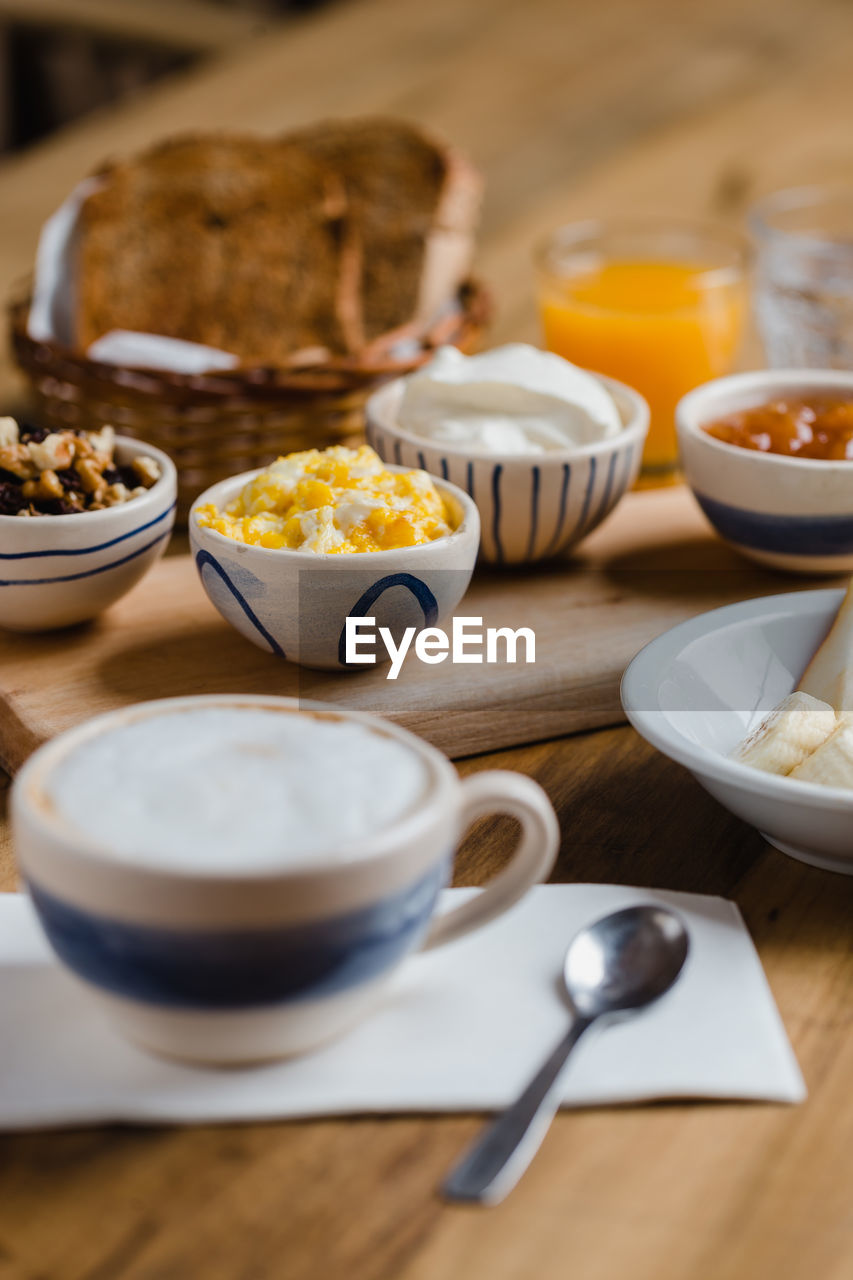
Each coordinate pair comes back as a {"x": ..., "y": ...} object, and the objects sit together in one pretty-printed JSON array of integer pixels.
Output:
[{"x": 237, "y": 878}]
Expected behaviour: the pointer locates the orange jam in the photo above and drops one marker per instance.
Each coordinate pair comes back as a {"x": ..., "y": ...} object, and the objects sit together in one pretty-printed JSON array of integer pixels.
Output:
[{"x": 820, "y": 427}]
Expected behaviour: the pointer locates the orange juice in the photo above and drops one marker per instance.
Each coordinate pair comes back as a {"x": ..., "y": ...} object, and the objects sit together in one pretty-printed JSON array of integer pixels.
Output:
[{"x": 662, "y": 327}]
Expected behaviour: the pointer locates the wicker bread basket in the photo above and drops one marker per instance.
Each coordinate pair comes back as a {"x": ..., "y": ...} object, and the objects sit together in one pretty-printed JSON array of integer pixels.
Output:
[{"x": 217, "y": 424}]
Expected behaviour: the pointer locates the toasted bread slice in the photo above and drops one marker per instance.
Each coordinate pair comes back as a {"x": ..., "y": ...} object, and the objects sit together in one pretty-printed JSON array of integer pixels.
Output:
[
  {"x": 233, "y": 242},
  {"x": 325, "y": 239},
  {"x": 414, "y": 203}
]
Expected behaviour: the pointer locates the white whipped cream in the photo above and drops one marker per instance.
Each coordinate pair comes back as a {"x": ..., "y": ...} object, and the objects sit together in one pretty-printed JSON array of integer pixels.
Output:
[
  {"x": 511, "y": 400},
  {"x": 230, "y": 788}
]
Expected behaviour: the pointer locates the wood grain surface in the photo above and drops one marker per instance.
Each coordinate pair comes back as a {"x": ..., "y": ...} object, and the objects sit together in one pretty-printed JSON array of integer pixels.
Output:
[
  {"x": 573, "y": 110},
  {"x": 654, "y": 563}
]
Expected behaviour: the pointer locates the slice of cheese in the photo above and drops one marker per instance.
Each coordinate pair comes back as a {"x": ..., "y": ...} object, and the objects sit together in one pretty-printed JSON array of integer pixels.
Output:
[
  {"x": 829, "y": 675},
  {"x": 789, "y": 735}
]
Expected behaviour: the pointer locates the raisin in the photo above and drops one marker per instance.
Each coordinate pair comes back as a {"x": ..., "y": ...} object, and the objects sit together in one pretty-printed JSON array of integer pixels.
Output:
[
  {"x": 121, "y": 475},
  {"x": 11, "y": 499},
  {"x": 70, "y": 480},
  {"x": 56, "y": 507},
  {"x": 31, "y": 434}
]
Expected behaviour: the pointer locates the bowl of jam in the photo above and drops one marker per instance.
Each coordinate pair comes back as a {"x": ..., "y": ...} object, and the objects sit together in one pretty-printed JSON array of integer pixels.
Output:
[{"x": 769, "y": 457}]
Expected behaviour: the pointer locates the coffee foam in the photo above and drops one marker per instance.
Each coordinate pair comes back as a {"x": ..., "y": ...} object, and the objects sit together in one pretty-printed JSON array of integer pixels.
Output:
[{"x": 226, "y": 789}]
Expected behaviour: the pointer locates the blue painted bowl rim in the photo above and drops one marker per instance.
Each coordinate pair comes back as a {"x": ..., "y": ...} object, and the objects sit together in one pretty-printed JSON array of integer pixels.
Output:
[
  {"x": 648, "y": 668},
  {"x": 634, "y": 431},
  {"x": 168, "y": 480},
  {"x": 469, "y": 525},
  {"x": 758, "y": 385}
]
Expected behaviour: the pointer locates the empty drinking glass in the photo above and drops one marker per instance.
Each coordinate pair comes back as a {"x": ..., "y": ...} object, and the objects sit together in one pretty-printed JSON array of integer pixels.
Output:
[{"x": 804, "y": 277}]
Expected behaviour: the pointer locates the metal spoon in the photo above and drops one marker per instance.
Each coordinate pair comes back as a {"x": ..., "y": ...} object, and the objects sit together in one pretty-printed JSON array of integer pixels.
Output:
[{"x": 618, "y": 964}]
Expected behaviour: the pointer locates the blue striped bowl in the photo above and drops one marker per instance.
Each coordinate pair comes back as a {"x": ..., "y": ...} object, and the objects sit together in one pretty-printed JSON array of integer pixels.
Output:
[
  {"x": 58, "y": 570},
  {"x": 790, "y": 513},
  {"x": 533, "y": 507}
]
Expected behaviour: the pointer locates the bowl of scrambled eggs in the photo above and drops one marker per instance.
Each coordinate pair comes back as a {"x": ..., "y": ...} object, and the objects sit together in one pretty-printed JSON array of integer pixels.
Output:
[{"x": 289, "y": 553}]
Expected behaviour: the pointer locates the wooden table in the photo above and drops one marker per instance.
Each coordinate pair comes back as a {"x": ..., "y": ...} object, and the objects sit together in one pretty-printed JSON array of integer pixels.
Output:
[{"x": 572, "y": 110}]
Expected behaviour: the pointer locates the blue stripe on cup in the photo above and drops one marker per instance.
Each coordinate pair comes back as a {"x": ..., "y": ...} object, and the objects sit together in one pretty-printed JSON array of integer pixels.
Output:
[
  {"x": 787, "y": 535},
  {"x": 235, "y": 969}
]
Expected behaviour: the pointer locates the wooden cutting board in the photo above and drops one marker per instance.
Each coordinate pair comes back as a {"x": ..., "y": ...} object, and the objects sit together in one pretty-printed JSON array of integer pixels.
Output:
[{"x": 654, "y": 563}]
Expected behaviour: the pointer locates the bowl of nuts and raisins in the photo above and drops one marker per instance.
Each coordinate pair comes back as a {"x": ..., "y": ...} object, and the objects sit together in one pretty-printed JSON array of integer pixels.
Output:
[{"x": 83, "y": 515}]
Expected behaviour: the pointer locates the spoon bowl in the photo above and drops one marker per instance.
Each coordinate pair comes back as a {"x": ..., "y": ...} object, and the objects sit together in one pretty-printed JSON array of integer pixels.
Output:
[{"x": 624, "y": 961}]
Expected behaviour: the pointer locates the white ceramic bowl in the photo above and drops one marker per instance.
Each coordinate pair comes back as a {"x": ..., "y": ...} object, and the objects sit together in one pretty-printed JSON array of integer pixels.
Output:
[
  {"x": 696, "y": 691},
  {"x": 58, "y": 570},
  {"x": 789, "y": 513},
  {"x": 534, "y": 507},
  {"x": 296, "y": 603}
]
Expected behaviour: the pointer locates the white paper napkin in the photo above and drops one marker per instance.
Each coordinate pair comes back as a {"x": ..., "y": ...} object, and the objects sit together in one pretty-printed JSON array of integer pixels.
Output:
[
  {"x": 153, "y": 351},
  {"x": 462, "y": 1029}
]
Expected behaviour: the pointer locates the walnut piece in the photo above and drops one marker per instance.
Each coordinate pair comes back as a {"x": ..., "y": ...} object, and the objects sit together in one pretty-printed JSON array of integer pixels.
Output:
[
  {"x": 146, "y": 469},
  {"x": 103, "y": 442},
  {"x": 16, "y": 458},
  {"x": 8, "y": 431},
  {"x": 89, "y": 473},
  {"x": 54, "y": 453},
  {"x": 48, "y": 486},
  {"x": 115, "y": 494}
]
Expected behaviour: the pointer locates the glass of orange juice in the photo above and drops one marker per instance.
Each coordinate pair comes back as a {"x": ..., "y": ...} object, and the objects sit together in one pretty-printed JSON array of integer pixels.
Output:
[{"x": 657, "y": 303}]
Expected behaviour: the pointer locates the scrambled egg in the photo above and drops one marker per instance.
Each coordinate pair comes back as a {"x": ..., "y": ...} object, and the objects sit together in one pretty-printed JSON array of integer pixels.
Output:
[{"x": 337, "y": 500}]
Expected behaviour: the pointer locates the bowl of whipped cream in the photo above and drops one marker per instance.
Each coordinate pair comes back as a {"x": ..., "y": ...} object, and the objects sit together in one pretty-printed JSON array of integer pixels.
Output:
[{"x": 545, "y": 449}]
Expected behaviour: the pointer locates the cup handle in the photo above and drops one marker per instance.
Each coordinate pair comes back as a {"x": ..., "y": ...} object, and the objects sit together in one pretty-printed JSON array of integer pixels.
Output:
[{"x": 514, "y": 794}]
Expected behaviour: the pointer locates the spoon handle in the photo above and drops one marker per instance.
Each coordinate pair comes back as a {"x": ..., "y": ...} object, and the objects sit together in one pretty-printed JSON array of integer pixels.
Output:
[{"x": 495, "y": 1161}]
